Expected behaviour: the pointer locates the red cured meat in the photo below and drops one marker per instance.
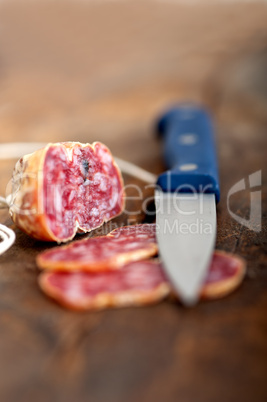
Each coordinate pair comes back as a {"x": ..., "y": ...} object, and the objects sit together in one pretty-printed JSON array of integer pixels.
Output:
[
  {"x": 225, "y": 274},
  {"x": 138, "y": 283},
  {"x": 64, "y": 188},
  {"x": 145, "y": 231},
  {"x": 122, "y": 245},
  {"x": 132, "y": 243}
]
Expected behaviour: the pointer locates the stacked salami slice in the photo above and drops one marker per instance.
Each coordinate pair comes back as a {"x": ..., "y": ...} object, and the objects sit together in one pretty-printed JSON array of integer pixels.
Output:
[{"x": 115, "y": 271}]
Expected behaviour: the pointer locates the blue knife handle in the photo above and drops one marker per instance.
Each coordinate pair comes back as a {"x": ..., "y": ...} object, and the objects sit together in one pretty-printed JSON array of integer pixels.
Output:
[{"x": 189, "y": 151}]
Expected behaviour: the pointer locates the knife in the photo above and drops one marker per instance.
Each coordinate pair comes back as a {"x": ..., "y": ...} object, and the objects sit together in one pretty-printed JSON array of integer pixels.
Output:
[{"x": 186, "y": 197}]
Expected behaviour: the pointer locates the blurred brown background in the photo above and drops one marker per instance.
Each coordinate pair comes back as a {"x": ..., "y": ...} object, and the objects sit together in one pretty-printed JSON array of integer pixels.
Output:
[
  {"x": 103, "y": 70},
  {"x": 86, "y": 70}
]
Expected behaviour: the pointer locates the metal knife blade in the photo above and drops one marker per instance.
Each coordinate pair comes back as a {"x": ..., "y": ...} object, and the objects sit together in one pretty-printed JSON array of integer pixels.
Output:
[
  {"x": 186, "y": 197},
  {"x": 186, "y": 231}
]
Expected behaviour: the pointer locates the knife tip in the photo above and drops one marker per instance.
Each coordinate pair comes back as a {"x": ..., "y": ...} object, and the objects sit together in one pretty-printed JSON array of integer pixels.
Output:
[{"x": 188, "y": 299}]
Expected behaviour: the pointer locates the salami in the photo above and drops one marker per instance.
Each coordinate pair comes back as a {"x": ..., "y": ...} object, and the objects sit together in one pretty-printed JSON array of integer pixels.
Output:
[
  {"x": 122, "y": 245},
  {"x": 225, "y": 274},
  {"x": 145, "y": 231},
  {"x": 138, "y": 283},
  {"x": 64, "y": 188}
]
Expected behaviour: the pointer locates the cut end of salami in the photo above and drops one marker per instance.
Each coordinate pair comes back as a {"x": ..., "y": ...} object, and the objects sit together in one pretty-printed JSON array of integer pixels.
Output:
[
  {"x": 122, "y": 245},
  {"x": 64, "y": 188},
  {"x": 138, "y": 283}
]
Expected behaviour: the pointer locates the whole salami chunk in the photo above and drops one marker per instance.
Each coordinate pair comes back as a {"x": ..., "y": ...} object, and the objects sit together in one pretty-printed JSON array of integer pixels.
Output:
[
  {"x": 122, "y": 245},
  {"x": 138, "y": 283},
  {"x": 64, "y": 188}
]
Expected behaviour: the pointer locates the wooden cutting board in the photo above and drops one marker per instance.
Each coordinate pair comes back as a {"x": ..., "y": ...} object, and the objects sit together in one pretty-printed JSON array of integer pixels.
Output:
[{"x": 103, "y": 71}]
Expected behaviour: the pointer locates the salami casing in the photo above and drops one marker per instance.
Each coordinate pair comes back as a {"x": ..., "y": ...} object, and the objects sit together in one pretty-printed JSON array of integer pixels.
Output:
[
  {"x": 64, "y": 188},
  {"x": 122, "y": 245},
  {"x": 138, "y": 283}
]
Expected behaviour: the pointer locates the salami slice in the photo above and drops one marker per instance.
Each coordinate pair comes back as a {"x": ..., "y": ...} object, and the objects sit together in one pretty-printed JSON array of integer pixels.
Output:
[
  {"x": 144, "y": 231},
  {"x": 225, "y": 274},
  {"x": 122, "y": 245},
  {"x": 138, "y": 283},
  {"x": 64, "y": 188}
]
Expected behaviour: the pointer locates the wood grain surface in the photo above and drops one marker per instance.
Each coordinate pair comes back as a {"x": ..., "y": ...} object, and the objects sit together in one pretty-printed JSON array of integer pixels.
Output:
[{"x": 87, "y": 71}]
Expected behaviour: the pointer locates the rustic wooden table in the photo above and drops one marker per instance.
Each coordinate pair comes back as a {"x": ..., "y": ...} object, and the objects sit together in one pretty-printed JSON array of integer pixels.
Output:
[{"x": 103, "y": 71}]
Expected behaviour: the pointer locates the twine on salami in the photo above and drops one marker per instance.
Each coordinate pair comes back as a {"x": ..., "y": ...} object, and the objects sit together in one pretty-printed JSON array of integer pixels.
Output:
[
  {"x": 3, "y": 203},
  {"x": 7, "y": 236}
]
